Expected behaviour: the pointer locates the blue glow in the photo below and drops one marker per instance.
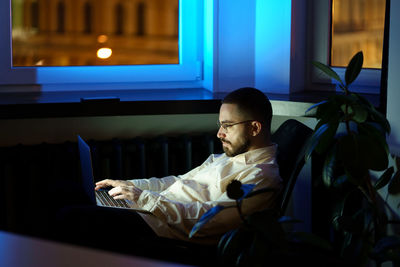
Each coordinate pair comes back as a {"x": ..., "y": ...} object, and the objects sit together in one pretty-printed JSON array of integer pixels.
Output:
[
  {"x": 209, "y": 47},
  {"x": 273, "y": 26}
]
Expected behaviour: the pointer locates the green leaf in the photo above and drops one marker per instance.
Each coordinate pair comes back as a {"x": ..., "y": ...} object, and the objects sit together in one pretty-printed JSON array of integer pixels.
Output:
[
  {"x": 380, "y": 119},
  {"x": 360, "y": 114},
  {"x": 259, "y": 251},
  {"x": 311, "y": 239},
  {"x": 316, "y": 105},
  {"x": 348, "y": 154},
  {"x": 247, "y": 189},
  {"x": 338, "y": 209},
  {"x": 225, "y": 238},
  {"x": 384, "y": 179},
  {"x": 233, "y": 244},
  {"x": 327, "y": 137},
  {"x": 362, "y": 100},
  {"x": 347, "y": 241},
  {"x": 384, "y": 245},
  {"x": 205, "y": 218},
  {"x": 349, "y": 224},
  {"x": 351, "y": 106},
  {"x": 373, "y": 156},
  {"x": 394, "y": 185},
  {"x": 397, "y": 160},
  {"x": 229, "y": 245},
  {"x": 328, "y": 168},
  {"x": 354, "y": 68},
  {"x": 329, "y": 111},
  {"x": 374, "y": 133},
  {"x": 340, "y": 181},
  {"x": 266, "y": 223},
  {"x": 349, "y": 110},
  {"x": 243, "y": 258},
  {"x": 327, "y": 70},
  {"x": 313, "y": 141}
]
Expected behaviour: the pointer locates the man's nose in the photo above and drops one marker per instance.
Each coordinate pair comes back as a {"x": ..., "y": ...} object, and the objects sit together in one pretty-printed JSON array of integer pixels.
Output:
[{"x": 221, "y": 133}]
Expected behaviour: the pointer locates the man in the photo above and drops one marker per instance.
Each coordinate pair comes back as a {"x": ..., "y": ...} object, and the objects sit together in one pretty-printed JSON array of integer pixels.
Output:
[{"x": 178, "y": 202}]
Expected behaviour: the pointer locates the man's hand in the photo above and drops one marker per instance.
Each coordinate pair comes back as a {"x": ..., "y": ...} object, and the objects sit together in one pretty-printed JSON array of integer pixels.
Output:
[
  {"x": 131, "y": 193},
  {"x": 112, "y": 183},
  {"x": 122, "y": 189}
]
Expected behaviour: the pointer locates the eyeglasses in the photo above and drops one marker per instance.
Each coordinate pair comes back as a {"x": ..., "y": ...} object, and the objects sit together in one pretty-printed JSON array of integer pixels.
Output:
[{"x": 226, "y": 126}]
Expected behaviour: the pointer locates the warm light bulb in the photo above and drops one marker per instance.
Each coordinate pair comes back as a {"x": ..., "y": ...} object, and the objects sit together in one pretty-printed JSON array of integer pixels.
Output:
[
  {"x": 104, "y": 53},
  {"x": 102, "y": 38}
]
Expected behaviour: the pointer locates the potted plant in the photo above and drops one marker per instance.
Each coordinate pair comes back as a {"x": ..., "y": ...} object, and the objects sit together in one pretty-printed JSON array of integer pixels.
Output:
[
  {"x": 262, "y": 239},
  {"x": 350, "y": 136}
]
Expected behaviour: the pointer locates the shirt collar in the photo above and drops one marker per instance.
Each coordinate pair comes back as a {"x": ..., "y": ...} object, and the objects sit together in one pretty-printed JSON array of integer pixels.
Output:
[{"x": 253, "y": 156}]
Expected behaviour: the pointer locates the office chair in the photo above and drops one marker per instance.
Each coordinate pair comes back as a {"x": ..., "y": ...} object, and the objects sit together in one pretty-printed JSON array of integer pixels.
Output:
[{"x": 291, "y": 137}]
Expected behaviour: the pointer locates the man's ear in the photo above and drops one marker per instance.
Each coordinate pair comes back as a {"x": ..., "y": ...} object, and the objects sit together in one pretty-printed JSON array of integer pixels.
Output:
[{"x": 256, "y": 127}]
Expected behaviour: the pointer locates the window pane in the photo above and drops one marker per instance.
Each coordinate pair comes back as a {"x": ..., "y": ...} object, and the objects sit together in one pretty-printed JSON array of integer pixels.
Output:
[
  {"x": 357, "y": 25},
  {"x": 94, "y": 33}
]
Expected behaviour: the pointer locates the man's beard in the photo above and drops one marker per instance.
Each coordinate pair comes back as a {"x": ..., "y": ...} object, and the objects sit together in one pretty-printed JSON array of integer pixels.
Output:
[{"x": 236, "y": 150}]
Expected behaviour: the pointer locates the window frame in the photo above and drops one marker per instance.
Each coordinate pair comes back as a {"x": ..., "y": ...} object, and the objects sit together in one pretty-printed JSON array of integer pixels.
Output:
[
  {"x": 319, "y": 27},
  {"x": 190, "y": 12}
]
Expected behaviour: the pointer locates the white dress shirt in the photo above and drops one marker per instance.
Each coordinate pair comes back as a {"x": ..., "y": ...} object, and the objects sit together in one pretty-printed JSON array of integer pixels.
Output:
[{"x": 178, "y": 202}]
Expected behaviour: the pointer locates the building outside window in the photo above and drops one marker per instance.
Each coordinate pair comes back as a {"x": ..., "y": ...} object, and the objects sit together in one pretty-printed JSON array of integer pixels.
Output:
[
  {"x": 337, "y": 30},
  {"x": 357, "y": 25},
  {"x": 71, "y": 32}
]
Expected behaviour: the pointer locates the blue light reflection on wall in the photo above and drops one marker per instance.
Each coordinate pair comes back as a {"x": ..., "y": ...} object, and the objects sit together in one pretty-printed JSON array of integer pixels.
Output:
[
  {"x": 273, "y": 26},
  {"x": 208, "y": 32}
]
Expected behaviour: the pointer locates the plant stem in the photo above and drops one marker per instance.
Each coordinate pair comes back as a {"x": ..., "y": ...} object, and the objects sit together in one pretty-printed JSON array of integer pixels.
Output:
[
  {"x": 239, "y": 207},
  {"x": 346, "y": 111}
]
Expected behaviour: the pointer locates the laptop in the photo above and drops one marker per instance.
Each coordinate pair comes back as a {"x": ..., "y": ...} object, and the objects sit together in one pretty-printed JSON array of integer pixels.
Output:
[{"x": 97, "y": 197}]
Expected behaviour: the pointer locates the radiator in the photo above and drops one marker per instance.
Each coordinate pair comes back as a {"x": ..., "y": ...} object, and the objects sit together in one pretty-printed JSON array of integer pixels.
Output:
[{"x": 29, "y": 172}]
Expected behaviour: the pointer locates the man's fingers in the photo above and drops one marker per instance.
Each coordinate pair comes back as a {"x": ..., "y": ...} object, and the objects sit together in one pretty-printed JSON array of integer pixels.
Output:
[
  {"x": 104, "y": 183},
  {"x": 120, "y": 197},
  {"x": 114, "y": 183},
  {"x": 115, "y": 191},
  {"x": 121, "y": 192}
]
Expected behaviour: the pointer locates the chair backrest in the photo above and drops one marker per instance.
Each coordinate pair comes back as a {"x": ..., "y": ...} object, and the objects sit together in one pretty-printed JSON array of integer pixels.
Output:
[{"x": 291, "y": 137}]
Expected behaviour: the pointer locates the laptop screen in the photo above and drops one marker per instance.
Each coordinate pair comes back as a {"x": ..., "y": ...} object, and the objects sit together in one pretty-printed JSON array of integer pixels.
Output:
[{"x": 86, "y": 169}]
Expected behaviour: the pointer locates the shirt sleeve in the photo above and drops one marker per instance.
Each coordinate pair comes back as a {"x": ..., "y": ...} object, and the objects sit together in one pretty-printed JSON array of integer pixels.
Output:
[
  {"x": 155, "y": 184},
  {"x": 160, "y": 184},
  {"x": 183, "y": 216},
  {"x": 177, "y": 215}
]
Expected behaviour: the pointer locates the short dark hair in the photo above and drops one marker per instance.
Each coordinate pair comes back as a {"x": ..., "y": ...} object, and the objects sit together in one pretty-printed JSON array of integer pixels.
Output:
[{"x": 251, "y": 102}]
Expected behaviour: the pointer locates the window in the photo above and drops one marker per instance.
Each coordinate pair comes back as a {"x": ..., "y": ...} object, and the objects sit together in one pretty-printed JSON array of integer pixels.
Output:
[
  {"x": 357, "y": 25},
  {"x": 320, "y": 47},
  {"x": 68, "y": 41},
  {"x": 184, "y": 68}
]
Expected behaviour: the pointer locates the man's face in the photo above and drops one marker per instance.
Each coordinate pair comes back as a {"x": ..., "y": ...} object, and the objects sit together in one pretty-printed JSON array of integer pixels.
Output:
[{"x": 235, "y": 138}]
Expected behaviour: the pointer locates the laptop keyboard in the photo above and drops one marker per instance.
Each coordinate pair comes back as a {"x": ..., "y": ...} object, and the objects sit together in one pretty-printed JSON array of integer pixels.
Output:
[{"x": 107, "y": 200}]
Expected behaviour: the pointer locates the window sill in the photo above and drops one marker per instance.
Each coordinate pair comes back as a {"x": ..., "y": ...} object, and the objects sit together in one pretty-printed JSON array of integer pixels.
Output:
[{"x": 140, "y": 102}]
